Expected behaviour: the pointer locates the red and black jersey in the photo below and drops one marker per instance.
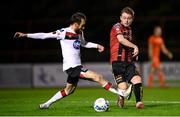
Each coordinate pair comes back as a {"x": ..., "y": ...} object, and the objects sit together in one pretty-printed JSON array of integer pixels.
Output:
[{"x": 119, "y": 52}]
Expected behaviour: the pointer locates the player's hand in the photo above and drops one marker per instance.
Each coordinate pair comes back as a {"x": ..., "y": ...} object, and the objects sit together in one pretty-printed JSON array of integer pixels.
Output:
[
  {"x": 170, "y": 55},
  {"x": 19, "y": 35},
  {"x": 136, "y": 51},
  {"x": 100, "y": 48},
  {"x": 136, "y": 58}
]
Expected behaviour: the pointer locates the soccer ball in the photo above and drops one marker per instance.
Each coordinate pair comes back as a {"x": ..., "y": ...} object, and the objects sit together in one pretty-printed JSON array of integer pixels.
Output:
[{"x": 101, "y": 105}]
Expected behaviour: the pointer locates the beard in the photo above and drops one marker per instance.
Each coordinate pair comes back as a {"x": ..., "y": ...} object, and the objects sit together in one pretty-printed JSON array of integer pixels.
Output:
[{"x": 79, "y": 31}]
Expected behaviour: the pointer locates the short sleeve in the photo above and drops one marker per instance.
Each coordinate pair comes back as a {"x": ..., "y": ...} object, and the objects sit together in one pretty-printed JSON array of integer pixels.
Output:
[
  {"x": 60, "y": 34},
  {"x": 117, "y": 30}
]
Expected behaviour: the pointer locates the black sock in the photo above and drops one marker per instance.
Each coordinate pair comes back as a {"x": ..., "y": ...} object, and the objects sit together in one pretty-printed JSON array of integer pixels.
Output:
[{"x": 138, "y": 92}]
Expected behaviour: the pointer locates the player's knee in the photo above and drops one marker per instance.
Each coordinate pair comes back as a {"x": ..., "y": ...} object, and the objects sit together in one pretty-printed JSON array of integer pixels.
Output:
[
  {"x": 152, "y": 70},
  {"x": 122, "y": 86},
  {"x": 136, "y": 80}
]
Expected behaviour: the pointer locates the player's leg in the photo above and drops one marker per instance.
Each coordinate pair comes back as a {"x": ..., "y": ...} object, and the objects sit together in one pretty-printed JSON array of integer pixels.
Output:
[
  {"x": 151, "y": 77},
  {"x": 124, "y": 89},
  {"x": 152, "y": 70},
  {"x": 133, "y": 76},
  {"x": 122, "y": 86},
  {"x": 91, "y": 75},
  {"x": 161, "y": 76},
  {"x": 138, "y": 91},
  {"x": 118, "y": 71},
  {"x": 69, "y": 89}
]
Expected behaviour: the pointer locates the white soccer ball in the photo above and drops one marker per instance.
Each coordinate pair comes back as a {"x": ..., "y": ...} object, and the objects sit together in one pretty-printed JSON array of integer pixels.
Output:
[{"x": 101, "y": 105}]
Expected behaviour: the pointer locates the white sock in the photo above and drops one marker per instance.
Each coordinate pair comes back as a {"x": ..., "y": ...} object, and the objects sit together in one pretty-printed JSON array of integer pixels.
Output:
[
  {"x": 56, "y": 97},
  {"x": 108, "y": 87},
  {"x": 128, "y": 91},
  {"x": 121, "y": 92},
  {"x": 113, "y": 90}
]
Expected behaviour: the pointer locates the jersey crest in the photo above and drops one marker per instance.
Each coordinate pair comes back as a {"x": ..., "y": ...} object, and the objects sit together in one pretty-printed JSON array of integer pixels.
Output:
[{"x": 76, "y": 44}]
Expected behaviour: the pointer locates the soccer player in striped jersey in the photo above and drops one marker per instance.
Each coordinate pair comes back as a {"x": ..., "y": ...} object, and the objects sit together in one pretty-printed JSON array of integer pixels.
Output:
[
  {"x": 71, "y": 38},
  {"x": 122, "y": 54}
]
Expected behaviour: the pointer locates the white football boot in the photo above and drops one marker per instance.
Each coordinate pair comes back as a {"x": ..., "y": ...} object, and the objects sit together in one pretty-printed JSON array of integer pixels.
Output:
[
  {"x": 44, "y": 106},
  {"x": 128, "y": 92}
]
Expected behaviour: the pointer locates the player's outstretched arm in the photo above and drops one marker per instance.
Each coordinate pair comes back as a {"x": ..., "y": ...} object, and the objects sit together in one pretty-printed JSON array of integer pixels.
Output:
[
  {"x": 86, "y": 44},
  {"x": 127, "y": 43},
  {"x": 94, "y": 45},
  {"x": 166, "y": 51},
  {"x": 35, "y": 35}
]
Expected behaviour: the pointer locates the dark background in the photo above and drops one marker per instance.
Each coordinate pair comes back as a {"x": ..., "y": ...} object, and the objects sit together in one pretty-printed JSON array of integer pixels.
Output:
[{"x": 49, "y": 15}]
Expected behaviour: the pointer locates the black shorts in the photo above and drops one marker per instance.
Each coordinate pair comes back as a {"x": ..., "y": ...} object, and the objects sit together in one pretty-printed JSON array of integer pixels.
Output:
[
  {"x": 123, "y": 72},
  {"x": 74, "y": 74}
]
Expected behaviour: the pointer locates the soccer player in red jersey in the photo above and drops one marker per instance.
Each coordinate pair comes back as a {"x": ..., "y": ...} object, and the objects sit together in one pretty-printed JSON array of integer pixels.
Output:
[
  {"x": 122, "y": 54},
  {"x": 155, "y": 45}
]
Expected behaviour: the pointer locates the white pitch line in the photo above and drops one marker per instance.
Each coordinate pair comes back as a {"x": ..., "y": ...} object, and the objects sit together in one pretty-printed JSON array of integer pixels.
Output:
[
  {"x": 162, "y": 102},
  {"x": 167, "y": 102}
]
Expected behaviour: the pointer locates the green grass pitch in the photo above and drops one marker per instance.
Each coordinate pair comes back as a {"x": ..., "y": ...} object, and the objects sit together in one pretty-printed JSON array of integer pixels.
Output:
[{"x": 25, "y": 102}]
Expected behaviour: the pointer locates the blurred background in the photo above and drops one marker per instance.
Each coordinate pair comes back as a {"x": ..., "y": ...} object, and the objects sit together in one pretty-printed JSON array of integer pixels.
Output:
[{"x": 49, "y": 15}]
